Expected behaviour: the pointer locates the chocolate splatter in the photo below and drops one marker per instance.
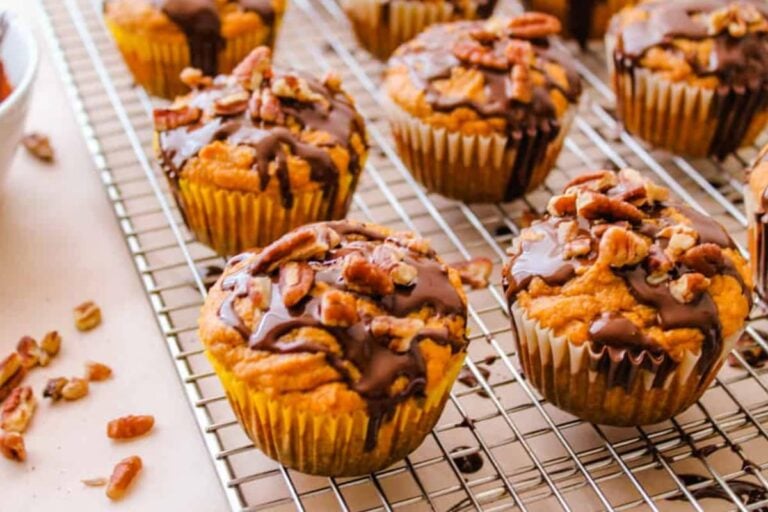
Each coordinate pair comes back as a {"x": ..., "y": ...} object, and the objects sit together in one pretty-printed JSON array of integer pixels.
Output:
[{"x": 469, "y": 463}]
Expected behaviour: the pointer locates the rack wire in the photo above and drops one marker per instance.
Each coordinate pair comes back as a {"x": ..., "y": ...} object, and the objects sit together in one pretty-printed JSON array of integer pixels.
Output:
[{"x": 525, "y": 454}]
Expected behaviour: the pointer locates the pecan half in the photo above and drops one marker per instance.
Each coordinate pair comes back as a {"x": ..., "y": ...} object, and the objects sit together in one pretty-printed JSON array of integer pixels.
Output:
[
  {"x": 562, "y": 205},
  {"x": 295, "y": 87},
  {"x": 253, "y": 69},
  {"x": 365, "y": 277},
  {"x": 688, "y": 287},
  {"x": 174, "y": 117},
  {"x": 301, "y": 244},
  {"x": 266, "y": 107},
  {"x": 577, "y": 248},
  {"x": 533, "y": 25},
  {"x": 75, "y": 389},
  {"x": 12, "y": 446},
  {"x": 18, "y": 409},
  {"x": 51, "y": 343},
  {"x": 296, "y": 280},
  {"x": 39, "y": 146},
  {"x": 620, "y": 247},
  {"x": 706, "y": 259},
  {"x": 31, "y": 354},
  {"x": 97, "y": 372},
  {"x": 123, "y": 476},
  {"x": 593, "y": 206},
  {"x": 338, "y": 309},
  {"x": 474, "y": 272},
  {"x": 128, "y": 427},
  {"x": 231, "y": 104},
  {"x": 87, "y": 316}
]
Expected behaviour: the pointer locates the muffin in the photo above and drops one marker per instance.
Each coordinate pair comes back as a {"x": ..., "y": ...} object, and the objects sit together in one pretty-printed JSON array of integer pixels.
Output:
[
  {"x": 159, "y": 38},
  {"x": 692, "y": 76},
  {"x": 756, "y": 203},
  {"x": 252, "y": 155},
  {"x": 337, "y": 345},
  {"x": 582, "y": 19},
  {"x": 479, "y": 110},
  {"x": 383, "y": 25},
  {"x": 625, "y": 304}
]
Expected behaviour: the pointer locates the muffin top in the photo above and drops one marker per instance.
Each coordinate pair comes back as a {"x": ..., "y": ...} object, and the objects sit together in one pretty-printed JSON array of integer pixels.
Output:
[
  {"x": 618, "y": 265},
  {"x": 338, "y": 316},
  {"x": 705, "y": 42},
  {"x": 262, "y": 128},
  {"x": 499, "y": 76}
]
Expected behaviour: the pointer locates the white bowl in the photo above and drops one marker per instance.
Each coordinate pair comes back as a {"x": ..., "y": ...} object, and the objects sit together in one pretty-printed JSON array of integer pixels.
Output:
[{"x": 18, "y": 52}]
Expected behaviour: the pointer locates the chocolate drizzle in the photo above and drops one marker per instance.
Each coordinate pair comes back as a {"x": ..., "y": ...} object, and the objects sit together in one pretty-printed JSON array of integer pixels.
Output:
[
  {"x": 378, "y": 363},
  {"x": 200, "y": 20},
  {"x": 749, "y": 492},
  {"x": 739, "y": 63}
]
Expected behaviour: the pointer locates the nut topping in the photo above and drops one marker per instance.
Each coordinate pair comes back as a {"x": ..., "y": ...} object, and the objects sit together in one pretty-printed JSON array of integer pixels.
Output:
[
  {"x": 338, "y": 309},
  {"x": 97, "y": 372},
  {"x": 174, "y": 117},
  {"x": 194, "y": 78},
  {"x": 593, "y": 205},
  {"x": 707, "y": 259},
  {"x": 533, "y": 25},
  {"x": 53, "y": 389},
  {"x": 402, "y": 328},
  {"x": 12, "y": 446},
  {"x": 620, "y": 247},
  {"x": 296, "y": 280},
  {"x": 75, "y": 389},
  {"x": 365, "y": 277},
  {"x": 256, "y": 67},
  {"x": 39, "y": 146},
  {"x": 294, "y": 87},
  {"x": 51, "y": 343},
  {"x": 474, "y": 272},
  {"x": 232, "y": 104},
  {"x": 122, "y": 476},
  {"x": 403, "y": 274},
  {"x": 18, "y": 409},
  {"x": 87, "y": 316},
  {"x": 261, "y": 292},
  {"x": 562, "y": 205},
  {"x": 688, "y": 287},
  {"x": 31, "y": 354},
  {"x": 301, "y": 244},
  {"x": 129, "y": 427}
]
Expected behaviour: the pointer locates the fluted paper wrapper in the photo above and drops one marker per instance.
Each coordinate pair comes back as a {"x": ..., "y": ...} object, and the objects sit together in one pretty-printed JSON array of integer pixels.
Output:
[
  {"x": 476, "y": 168},
  {"x": 684, "y": 118},
  {"x": 231, "y": 222},
  {"x": 757, "y": 238},
  {"x": 383, "y": 26},
  {"x": 333, "y": 444},
  {"x": 577, "y": 378},
  {"x": 157, "y": 62}
]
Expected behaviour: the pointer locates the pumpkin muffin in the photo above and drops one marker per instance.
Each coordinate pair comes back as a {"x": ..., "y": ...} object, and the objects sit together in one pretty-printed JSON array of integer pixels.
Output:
[
  {"x": 159, "y": 38},
  {"x": 691, "y": 76},
  {"x": 582, "y": 19},
  {"x": 337, "y": 345},
  {"x": 252, "y": 155},
  {"x": 383, "y": 25},
  {"x": 480, "y": 109},
  {"x": 756, "y": 202},
  {"x": 625, "y": 303}
]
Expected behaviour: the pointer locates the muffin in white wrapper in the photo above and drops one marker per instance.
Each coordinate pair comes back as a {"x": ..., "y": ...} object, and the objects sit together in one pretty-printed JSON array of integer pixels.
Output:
[{"x": 756, "y": 205}]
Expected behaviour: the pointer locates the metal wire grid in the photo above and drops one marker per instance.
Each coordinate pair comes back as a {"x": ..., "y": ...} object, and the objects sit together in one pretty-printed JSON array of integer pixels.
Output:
[{"x": 535, "y": 457}]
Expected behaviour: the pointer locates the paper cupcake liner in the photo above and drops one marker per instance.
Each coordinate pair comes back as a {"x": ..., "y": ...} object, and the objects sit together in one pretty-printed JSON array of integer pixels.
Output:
[
  {"x": 383, "y": 26},
  {"x": 156, "y": 63},
  {"x": 684, "y": 118},
  {"x": 476, "y": 168},
  {"x": 757, "y": 238},
  {"x": 231, "y": 221},
  {"x": 332, "y": 444},
  {"x": 609, "y": 387},
  {"x": 601, "y": 15}
]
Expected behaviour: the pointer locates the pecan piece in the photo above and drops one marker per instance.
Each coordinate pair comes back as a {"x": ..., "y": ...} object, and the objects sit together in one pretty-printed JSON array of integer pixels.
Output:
[
  {"x": 231, "y": 104},
  {"x": 363, "y": 276},
  {"x": 519, "y": 53},
  {"x": 54, "y": 387},
  {"x": 681, "y": 238},
  {"x": 659, "y": 265},
  {"x": 87, "y": 316},
  {"x": 301, "y": 244},
  {"x": 97, "y": 372},
  {"x": 194, "y": 78},
  {"x": 11, "y": 374},
  {"x": 402, "y": 330},
  {"x": 295, "y": 87},
  {"x": 597, "y": 181},
  {"x": 253, "y": 69},
  {"x": 128, "y": 427},
  {"x": 12, "y": 446},
  {"x": 39, "y": 146},
  {"x": 31, "y": 354},
  {"x": 403, "y": 274},
  {"x": 706, "y": 259},
  {"x": 338, "y": 309},
  {"x": 471, "y": 51},
  {"x": 620, "y": 247},
  {"x": 174, "y": 117},
  {"x": 266, "y": 107},
  {"x": 474, "y": 272},
  {"x": 562, "y": 205},
  {"x": 75, "y": 389},
  {"x": 332, "y": 81},
  {"x": 18, "y": 409},
  {"x": 51, "y": 343},
  {"x": 122, "y": 476},
  {"x": 533, "y": 25},
  {"x": 688, "y": 287},
  {"x": 593, "y": 206},
  {"x": 576, "y": 248},
  {"x": 522, "y": 87},
  {"x": 296, "y": 280}
]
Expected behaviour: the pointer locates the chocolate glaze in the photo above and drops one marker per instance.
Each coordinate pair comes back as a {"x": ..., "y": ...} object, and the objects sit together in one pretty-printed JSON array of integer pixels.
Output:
[
  {"x": 470, "y": 463},
  {"x": 378, "y": 364},
  {"x": 740, "y": 64},
  {"x": 748, "y": 492},
  {"x": 200, "y": 21},
  {"x": 532, "y": 125},
  {"x": 336, "y": 116}
]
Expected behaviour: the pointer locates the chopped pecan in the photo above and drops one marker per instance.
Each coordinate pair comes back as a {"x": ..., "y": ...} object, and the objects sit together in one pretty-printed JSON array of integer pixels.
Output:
[
  {"x": 404, "y": 329},
  {"x": 620, "y": 247},
  {"x": 97, "y": 372},
  {"x": 567, "y": 230},
  {"x": 296, "y": 280},
  {"x": 473, "y": 52},
  {"x": 363, "y": 276},
  {"x": 387, "y": 256},
  {"x": 253, "y": 69},
  {"x": 332, "y": 81},
  {"x": 194, "y": 78},
  {"x": 659, "y": 265},
  {"x": 706, "y": 259},
  {"x": 681, "y": 238},
  {"x": 522, "y": 87},
  {"x": 51, "y": 343},
  {"x": 688, "y": 287},
  {"x": 474, "y": 272},
  {"x": 562, "y": 205},
  {"x": 174, "y": 117},
  {"x": 519, "y": 53},
  {"x": 53, "y": 388},
  {"x": 87, "y": 316},
  {"x": 301, "y": 244},
  {"x": 338, "y": 308},
  {"x": 12, "y": 446},
  {"x": 128, "y": 427},
  {"x": 483, "y": 36},
  {"x": 231, "y": 104},
  {"x": 593, "y": 206},
  {"x": 578, "y": 247},
  {"x": 295, "y": 87},
  {"x": 597, "y": 181},
  {"x": 31, "y": 354},
  {"x": 403, "y": 274},
  {"x": 261, "y": 292},
  {"x": 18, "y": 409},
  {"x": 533, "y": 25},
  {"x": 94, "y": 482},
  {"x": 122, "y": 476},
  {"x": 266, "y": 107},
  {"x": 411, "y": 242},
  {"x": 11, "y": 374},
  {"x": 75, "y": 389},
  {"x": 39, "y": 146}
]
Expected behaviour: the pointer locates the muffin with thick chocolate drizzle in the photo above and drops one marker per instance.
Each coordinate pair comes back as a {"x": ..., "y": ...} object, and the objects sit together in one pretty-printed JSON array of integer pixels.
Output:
[
  {"x": 383, "y": 25},
  {"x": 337, "y": 345},
  {"x": 253, "y": 155},
  {"x": 756, "y": 203},
  {"x": 159, "y": 38},
  {"x": 582, "y": 19},
  {"x": 480, "y": 109},
  {"x": 625, "y": 303},
  {"x": 691, "y": 76}
]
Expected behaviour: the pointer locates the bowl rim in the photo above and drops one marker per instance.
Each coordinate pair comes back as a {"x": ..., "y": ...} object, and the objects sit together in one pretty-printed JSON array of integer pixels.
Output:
[{"x": 25, "y": 83}]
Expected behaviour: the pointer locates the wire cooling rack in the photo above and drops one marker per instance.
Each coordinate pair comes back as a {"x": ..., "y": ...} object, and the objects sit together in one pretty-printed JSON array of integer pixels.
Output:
[{"x": 498, "y": 446}]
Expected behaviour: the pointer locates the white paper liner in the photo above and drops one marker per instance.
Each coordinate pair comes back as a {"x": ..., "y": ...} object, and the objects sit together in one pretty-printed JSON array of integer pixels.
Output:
[
  {"x": 561, "y": 372},
  {"x": 403, "y": 22},
  {"x": 476, "y": 168}
]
